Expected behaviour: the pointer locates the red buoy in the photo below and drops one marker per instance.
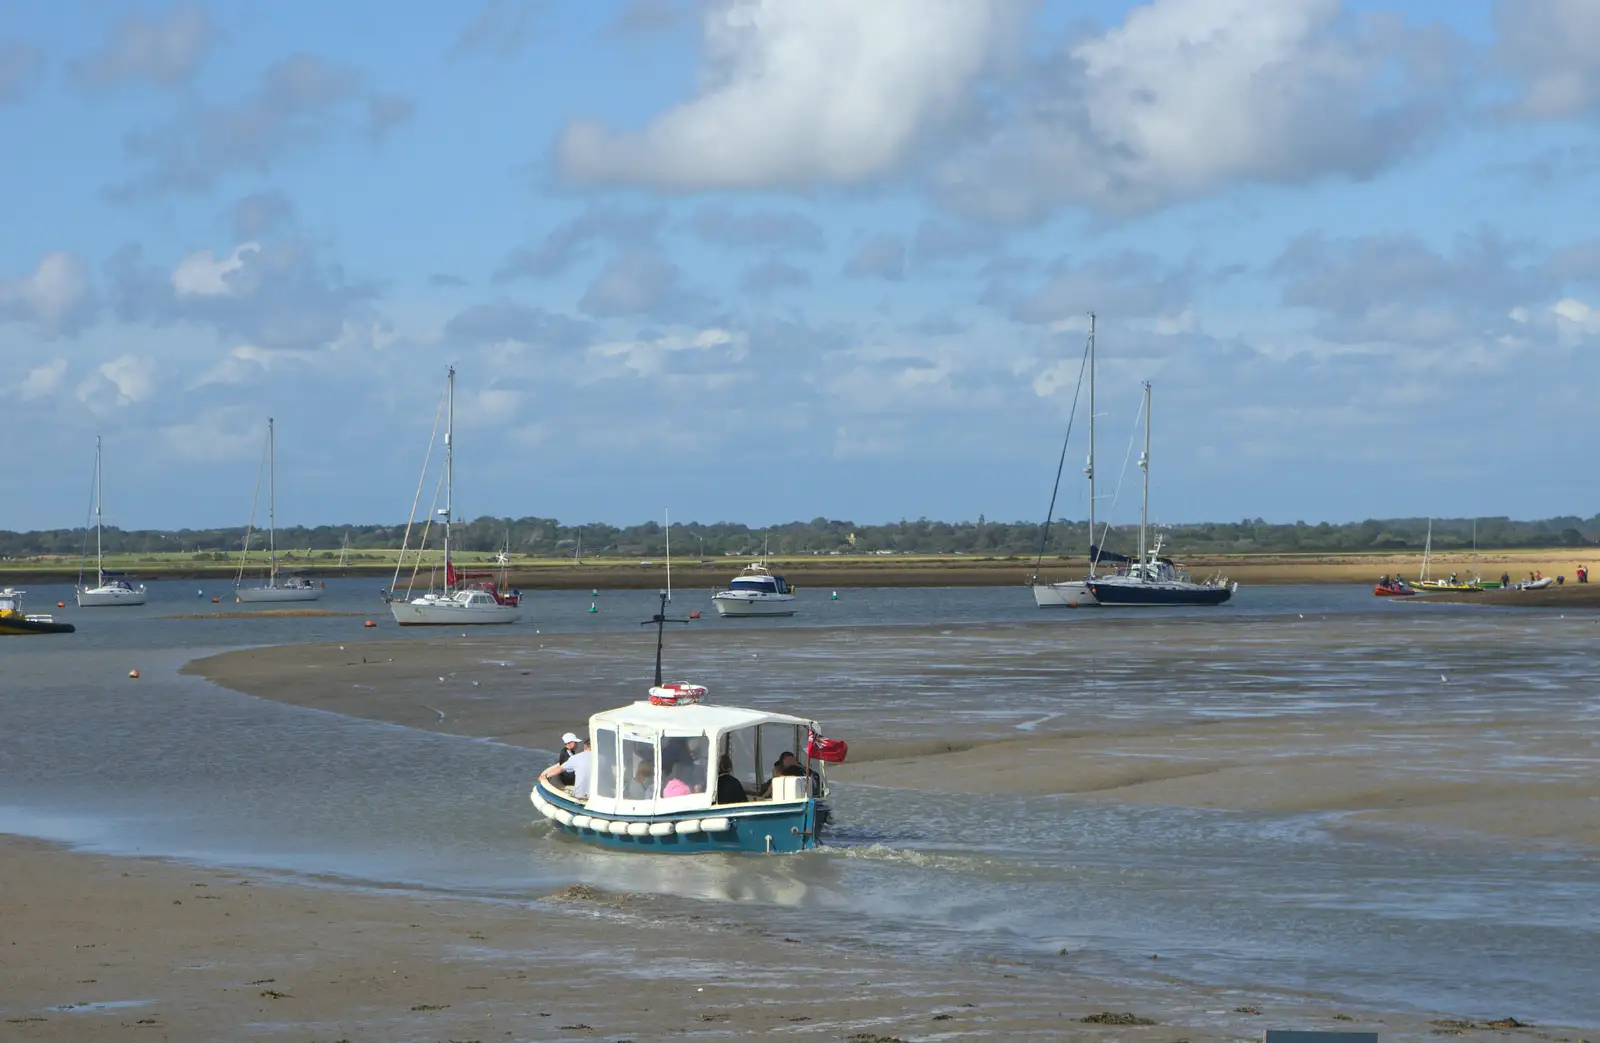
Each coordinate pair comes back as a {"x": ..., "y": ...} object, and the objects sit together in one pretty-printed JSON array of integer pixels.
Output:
[{"x": 369, "y": 623}]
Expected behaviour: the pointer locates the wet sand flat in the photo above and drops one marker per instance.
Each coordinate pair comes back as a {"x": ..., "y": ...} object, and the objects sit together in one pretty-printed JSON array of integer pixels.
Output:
[
  {"x": 1399, "y": 745},
  {"x": 117, "y": 948}
]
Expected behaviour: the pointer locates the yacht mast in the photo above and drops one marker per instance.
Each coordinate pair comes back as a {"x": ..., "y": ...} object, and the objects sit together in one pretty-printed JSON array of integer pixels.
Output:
[
  {"x": 449, "y": 471},
  {"x": 1144, "y": 465},
  {"x": 99, "y": 507},
  {"x": 1089, "y": 470},
  {"x": 272, "y": 505},
  {"x": 667, "y": 514}
]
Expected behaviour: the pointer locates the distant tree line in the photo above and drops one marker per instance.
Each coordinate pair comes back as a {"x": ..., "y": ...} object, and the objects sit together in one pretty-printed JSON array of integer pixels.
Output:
[{"x": 546, "y": 537}]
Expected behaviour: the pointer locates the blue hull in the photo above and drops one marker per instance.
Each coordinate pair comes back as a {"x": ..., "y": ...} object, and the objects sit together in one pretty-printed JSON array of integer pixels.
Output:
[
  {"x": 779, "y": 830},
  {"x": 1158, "y": 594}
]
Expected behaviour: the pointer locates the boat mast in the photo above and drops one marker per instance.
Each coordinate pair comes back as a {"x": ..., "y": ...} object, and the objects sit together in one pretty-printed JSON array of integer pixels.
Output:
[
  {"x": 1144, "y": 465},
  {"x": 449, "y": 470},
  {"x": 99, "y": 506},
  {"x": 272, "y": 505},
  {"x": 667, "y": 514},
  {"x": 1089, "y": 470}
]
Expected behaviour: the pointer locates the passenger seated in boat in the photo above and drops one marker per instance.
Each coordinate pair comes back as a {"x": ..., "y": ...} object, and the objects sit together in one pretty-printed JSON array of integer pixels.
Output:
[
  {"x": 788, "y": 764},
  {"x": 681, "y": 780},
  {"x": 580, "y": 766},
  {"x": 641, "y": 785},
  {"x": 729, "y": 789}
]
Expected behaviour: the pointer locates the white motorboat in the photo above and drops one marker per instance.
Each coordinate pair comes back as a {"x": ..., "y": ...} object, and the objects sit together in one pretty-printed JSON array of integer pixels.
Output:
[
  {"x": 286, "y": 588},
  {"x": 465, "y": 599},
  {"x": 1072, "y": 593},
  {"x": 111, "y": 588},
  {"x": 755, "y": 592}
]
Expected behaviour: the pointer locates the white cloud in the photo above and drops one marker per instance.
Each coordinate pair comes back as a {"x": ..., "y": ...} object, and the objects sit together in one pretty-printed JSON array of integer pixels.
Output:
[
  {"x": 797, "y": 94},
  {"x": 650, "y": 356},
  {"x": 1577, "y": 320},
  {"x": 1187, "y": 96},
  {"x": 229, "y": 433},
  {"x": 56, "y": 296},
  {"x": 243, "y": 363},
  {"x": 202, "y": 274},
  {"x": 42, "y": 381},
  {"x": 1551, "y": 46},
  {"x": 123, "y": 381},
  {"x": 490, "y": 407},
  {"x": 164, "y": 51}
]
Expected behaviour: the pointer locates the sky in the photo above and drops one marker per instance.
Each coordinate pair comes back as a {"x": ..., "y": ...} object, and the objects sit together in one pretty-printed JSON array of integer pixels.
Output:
[{"x": 764, "y": 260}]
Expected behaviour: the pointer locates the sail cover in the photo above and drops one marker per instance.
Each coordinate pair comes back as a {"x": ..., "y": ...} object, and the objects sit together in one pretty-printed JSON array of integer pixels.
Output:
[{"x": 1107, "y": 557}]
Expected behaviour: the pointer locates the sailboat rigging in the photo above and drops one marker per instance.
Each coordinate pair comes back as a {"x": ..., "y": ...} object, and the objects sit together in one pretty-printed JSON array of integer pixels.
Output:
[
  {"x": 288, "y": 588},
  {"x": 1070, "y": 593},
  {"x": 468, "y": 598},
  {"x": 1152, "y": 579},
  {"x": 111, "y": 588}
]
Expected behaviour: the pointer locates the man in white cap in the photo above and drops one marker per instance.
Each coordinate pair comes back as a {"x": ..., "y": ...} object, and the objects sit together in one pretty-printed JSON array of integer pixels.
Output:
[
  {"x": 579, "y": 777},
  {"x": 570, "y": 745}
]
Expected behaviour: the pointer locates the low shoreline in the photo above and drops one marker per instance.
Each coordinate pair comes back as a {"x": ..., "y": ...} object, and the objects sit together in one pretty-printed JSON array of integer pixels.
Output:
[
  {"x": 113, "y": 948},
  {"x": 917, "y": 571}
]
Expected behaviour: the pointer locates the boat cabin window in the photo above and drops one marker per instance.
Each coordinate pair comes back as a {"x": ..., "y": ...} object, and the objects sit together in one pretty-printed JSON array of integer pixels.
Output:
[
  {"x": 605, "y": 763},
  {"x": 638, "y": 769},
  {"x": 760, "y": 586},
  {"x": 783, "y": 587},
  {"x": 755, "y": 752},
  {"x": 685, "y": 765}
]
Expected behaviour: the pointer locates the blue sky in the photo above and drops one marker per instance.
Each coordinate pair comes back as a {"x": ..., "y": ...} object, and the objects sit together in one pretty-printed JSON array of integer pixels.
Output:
[{"x": 759, "y": 261}]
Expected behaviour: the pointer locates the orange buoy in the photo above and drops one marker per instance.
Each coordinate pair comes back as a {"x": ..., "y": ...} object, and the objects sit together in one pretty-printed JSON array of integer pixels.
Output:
[
  {"x": 61, "y": 604},
  {"x": 694, "y": 615},
  {"x": 369, "y": 623},
  {"x": 216, "y": 601},
  {"x": 133, "y": 673}
]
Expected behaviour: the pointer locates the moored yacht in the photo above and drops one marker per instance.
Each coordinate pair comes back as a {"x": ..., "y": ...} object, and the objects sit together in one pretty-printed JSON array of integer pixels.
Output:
[
  {"x": 1151, "y": 579},
  {"x": 277, "y": 589},
  {"x": 460, "y": 603},
  {"x": 755, "y": 592},
  {"x": 111, "y": 588}
]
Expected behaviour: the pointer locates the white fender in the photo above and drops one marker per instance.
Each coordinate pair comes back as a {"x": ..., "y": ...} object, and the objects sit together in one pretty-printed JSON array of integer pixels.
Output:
[
  {"x": 660, "y": 829},
  {"x": 582, "y": 822},
  {"x": 689, "y": 825},
  {"x": 715, "y": 825},
  {"x": 538, "y": 801},
  {"x": 561, "y": 815},
  {"x": 618, "y": 828},
  {"x": 638, "y": 829}
]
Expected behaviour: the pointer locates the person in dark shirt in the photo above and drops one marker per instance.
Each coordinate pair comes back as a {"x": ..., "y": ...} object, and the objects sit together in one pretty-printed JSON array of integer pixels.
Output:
[
  {"x": 570, "y": 745},
  {"x": 729, "y": 789}
]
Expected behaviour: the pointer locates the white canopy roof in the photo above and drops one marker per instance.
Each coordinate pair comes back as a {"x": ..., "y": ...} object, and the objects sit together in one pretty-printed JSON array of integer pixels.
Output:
[{"x": 694, "y": 718}]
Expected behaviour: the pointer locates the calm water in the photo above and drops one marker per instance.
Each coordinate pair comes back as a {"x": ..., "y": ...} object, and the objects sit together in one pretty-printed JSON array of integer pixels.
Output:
[{"x": 173, "y": 766}]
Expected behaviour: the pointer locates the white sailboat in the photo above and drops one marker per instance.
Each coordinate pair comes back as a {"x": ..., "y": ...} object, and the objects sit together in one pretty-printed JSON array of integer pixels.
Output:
[
  {"x": 1072, "y": 593},
  {"x": 110, "y": 588},
  {"x": 277, "y": 589},
  {"x": 458, "y": 604}
]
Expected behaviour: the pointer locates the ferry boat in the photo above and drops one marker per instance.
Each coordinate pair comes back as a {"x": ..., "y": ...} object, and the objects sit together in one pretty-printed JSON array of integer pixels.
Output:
[
  {"x": 755, "y": 592},
  {"x": 14, "y": 622},
  {"x": 674, "y": 774}
]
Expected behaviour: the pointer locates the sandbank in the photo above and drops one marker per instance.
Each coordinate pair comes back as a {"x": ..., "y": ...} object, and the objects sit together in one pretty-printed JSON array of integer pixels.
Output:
[{"x": 101, "y": 948}]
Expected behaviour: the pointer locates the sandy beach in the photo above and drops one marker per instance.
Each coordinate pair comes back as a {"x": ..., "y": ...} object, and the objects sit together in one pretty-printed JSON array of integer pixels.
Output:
[{"x": 115, "y": 948}]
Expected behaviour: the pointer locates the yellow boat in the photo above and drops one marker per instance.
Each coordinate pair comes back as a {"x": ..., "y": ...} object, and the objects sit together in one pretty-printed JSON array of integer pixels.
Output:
[{"x": 14, "y": 622}]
